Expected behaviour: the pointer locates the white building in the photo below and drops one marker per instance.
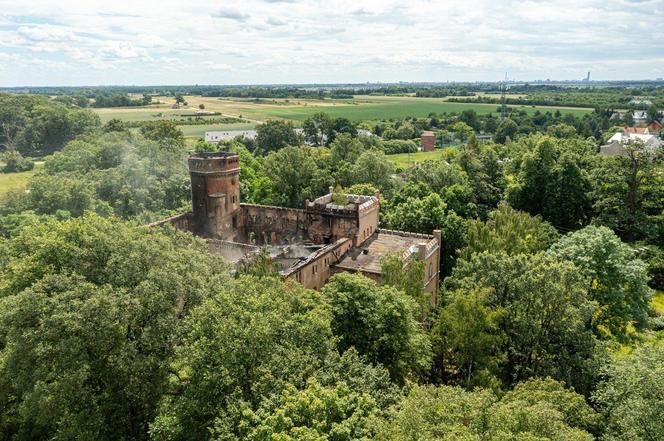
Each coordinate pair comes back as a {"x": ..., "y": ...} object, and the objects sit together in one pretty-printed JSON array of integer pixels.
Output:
[
  {"x": 227, "y": 135},
  {"x": 640, "y": 116},
  {"x": 614, "y": 146}
]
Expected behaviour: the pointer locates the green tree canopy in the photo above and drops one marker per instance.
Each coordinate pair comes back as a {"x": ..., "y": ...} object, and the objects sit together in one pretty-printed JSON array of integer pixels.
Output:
[
  {"x": 536, "y": 411},
  {"x": 242, "y": 346},
  {"x": 616, "y": 279},
  {"x": 90, "y": 311},
  {"x": 379, "y": 321},
  {"x": 275, "y": 135},
  {"x": 316, "y": 413},
  {"x": 508, "y": 231},
  {"x": 631, "y": 395},
  {"x": 544, "y": 314}
]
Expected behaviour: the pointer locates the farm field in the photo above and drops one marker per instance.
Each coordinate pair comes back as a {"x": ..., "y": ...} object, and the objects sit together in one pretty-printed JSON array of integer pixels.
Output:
[
  {"x": 297, "y": 110},
  {"x": 17, "y": 181}
]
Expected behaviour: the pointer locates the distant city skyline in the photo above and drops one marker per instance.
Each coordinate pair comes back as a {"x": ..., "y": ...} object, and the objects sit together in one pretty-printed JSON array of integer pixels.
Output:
[{"x": 74, "y": 43}]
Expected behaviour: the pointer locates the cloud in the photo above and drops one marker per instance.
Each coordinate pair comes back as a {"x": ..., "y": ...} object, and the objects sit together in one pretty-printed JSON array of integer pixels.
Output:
[
  {"x": 273, "y": 41},
  {"x": 122, "y": 50},
  {"x": 274, "y": 21},
  {"x": 231, "y": 14},
  {"x": 217, "y": 66},
  {"x": 46, "y": 33}
]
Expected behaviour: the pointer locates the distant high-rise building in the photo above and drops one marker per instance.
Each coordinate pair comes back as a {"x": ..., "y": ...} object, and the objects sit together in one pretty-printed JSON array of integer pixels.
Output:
[{"x": 587, "y": 78}]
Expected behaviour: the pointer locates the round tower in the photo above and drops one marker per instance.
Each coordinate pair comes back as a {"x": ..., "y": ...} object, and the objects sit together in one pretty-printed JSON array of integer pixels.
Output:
[{"x": 215, "y": 193}]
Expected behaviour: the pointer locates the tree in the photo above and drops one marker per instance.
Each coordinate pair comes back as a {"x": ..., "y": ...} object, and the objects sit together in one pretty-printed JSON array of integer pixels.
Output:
[
  {"x": 379, "y": 321},
  {"x": 244, "y": 345},
  {"x": 345, "y": 148},
  {"x": 316, "y": 128},
  {"x": 42, "y": 126},
  {"x": 544, "y": 314},
  {"x": 114, "y": 125},
  {"x": 507, "y": 129},
  {"x": 421, "y": 215},
  {"x": 372, "y": 167},
  {"x": 408, "y": 277},
  {"x": 616, "y": 279},
  {"x": 469, "y": 117},
  {"x": 628, "y": 193},
  {"x": 275, "y": 135},
  {"x": 485, "y": 175},
  {"x": 535, "y": 412},
  {"x": 562, "y": 131},
  {"x": 405, "y": 131},
  {"x": 110, "y": 173},
  {"x": 90, "y": 311},
  {"x": 15, "y": 162},
  {"x": 631, "y": 396},
  {"x": 468, "y": 341},
  {"x": 318, "y": 413},
  {"x": 552, "y": 183},
  {"x": 463, "y": 131},
  {"x": 508, "y": 231},
  {"x": 490, "y": 124},
  {"x": 165, "y": 132},
  {"x": 295, "y": 175}
]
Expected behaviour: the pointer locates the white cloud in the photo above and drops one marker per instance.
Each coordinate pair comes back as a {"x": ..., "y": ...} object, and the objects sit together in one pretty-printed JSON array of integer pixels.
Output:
[
  {"x": 231, "y": 14},
  {"x": 271, "y": 41}
]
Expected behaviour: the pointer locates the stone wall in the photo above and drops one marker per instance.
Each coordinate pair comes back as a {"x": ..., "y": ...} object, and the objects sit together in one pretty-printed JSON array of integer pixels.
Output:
[
  {"x": 267, "y": 225},
  {"x": 231, "y": 251},
  {"x": 315, "y": 271},
  {"x": 180, "y": 222}
]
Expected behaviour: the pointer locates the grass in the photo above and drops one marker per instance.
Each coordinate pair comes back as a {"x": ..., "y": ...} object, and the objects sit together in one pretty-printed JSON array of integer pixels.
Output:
[
  {"x": 16, "y": 181},
  {"x": 405, "y": 160},
  {"x": 297, "y": 110},
  {"x": 657, "y": 305},
  {"x": 658, "y": 302}
]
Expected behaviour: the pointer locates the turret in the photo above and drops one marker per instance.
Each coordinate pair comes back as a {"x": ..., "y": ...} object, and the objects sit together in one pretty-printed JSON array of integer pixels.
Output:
[{"x": 215, "y": 193}]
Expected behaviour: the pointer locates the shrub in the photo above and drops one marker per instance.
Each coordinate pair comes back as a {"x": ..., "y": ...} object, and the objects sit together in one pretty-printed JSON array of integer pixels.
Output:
[{"x": 15, "y": 162}]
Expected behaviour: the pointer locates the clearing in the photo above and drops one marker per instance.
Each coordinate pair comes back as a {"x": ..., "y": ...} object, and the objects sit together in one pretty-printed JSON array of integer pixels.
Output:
[{"x": 17, "y": 181}]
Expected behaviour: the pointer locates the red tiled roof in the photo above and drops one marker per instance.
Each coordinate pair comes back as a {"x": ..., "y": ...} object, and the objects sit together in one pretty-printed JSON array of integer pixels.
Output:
[{"x": 639, "y": 130}]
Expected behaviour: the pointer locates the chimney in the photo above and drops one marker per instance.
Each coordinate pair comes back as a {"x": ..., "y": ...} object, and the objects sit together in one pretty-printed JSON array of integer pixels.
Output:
[{"x": 421, "y": 251}]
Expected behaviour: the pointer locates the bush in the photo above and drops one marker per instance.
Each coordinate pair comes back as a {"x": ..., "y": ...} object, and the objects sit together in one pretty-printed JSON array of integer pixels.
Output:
[
  {"x": 394, "y": 146},
  {"x": 14, "y": 162}
]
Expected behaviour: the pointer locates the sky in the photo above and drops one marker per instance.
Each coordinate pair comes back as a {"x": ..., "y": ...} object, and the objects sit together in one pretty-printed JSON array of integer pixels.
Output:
[{"x": 145, "y": 42}]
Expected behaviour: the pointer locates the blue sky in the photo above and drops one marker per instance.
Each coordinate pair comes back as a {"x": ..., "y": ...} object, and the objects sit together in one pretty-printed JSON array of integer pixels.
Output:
[{"x": 90, "y": 42}]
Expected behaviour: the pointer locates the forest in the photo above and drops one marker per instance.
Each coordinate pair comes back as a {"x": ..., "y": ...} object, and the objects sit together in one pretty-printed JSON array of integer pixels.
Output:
[{"x": 550, "y": 324}]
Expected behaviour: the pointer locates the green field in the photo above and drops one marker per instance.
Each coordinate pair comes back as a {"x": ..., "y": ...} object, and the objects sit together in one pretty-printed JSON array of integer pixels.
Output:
[
  {"x": 357, "y": 109},
  {"x": 390, "y": 108},
  {"x": 16, "y": 181},
  {"x": 405, "y": 160}
]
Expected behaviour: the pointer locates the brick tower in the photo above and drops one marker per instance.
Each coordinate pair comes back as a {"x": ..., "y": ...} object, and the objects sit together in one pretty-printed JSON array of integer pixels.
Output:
[{"x": 215, "y": 193}]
